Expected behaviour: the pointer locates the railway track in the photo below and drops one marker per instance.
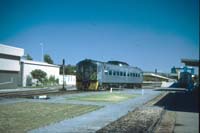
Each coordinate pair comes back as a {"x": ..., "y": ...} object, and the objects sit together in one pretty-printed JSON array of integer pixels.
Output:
[{"x": 32, "y": 93}]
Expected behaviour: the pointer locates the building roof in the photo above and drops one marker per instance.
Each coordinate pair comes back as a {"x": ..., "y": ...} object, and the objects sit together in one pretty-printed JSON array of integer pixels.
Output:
[
  {"x": 190, "y": 62},
  {"x": 38, "y": 63},
  {"x": 9, "y": 50}
]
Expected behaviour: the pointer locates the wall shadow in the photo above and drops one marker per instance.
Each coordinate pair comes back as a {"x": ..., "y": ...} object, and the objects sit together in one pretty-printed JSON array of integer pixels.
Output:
[{"x": 183, "y": 101}]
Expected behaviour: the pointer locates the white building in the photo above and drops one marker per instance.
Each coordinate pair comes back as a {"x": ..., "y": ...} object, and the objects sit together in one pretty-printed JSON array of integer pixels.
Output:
[
  {"x": 70, "y": 80},
  {"x": 28, "y": 66},
  {"x": 10, "y": 66}
]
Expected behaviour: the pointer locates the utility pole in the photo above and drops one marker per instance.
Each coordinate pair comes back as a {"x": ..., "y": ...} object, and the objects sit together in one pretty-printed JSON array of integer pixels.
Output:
[
  {"x": 42, "y": 56},
  {"x": 63, "y": 74}
]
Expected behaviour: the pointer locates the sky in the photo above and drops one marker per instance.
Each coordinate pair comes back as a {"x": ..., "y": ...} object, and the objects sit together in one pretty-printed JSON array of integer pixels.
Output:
[{"x": 150, "y": 34}]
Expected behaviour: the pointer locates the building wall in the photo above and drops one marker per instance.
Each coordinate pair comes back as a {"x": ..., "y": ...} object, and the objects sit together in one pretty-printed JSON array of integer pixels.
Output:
[
  {"x": 29, "y": 66},
  {"x": 9, "y": 63},
  {"x": 10, "y": 66},
  {"x": 69, "y": 80},
  {"x": 9, "y": 80},
  {"x": 9, "y": 50}
]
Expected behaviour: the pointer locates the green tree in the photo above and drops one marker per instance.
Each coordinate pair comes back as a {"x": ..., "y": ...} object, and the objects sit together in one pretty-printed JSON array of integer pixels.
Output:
[
  {"x": 47, "y": 59},
  {"x": 69, "y": 70},
  {"x": 39, "y": 75},
  {"x": 28, "y": 57},
  {"x": 53, "y": 80}
]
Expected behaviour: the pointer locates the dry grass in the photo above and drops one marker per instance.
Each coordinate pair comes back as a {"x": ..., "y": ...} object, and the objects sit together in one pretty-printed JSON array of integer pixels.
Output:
[
  {"x": 109, "y": 97},
  {"x": 21, "y": 117}
]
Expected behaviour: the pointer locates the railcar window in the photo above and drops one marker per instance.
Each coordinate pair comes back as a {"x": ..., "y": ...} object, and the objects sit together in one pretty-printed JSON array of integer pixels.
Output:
[
  {"x": 114, "y": 73},
  {"x": 110, "y": 72},
  {"x": 99, "y": 68},
  {"x": 133, "y": 74},
  {"x": 124, "y": 73},
  {"x": 121, "y": 73},
  {"x": 90, "y": 69},
  {"x": 128, "y": 74},
  {"x": 106, "y": 73},
  {"x": 117, "y": 73}
]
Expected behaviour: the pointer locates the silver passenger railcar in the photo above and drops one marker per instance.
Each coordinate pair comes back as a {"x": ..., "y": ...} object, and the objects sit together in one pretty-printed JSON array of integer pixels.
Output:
[{"x": 95, "y": 75}]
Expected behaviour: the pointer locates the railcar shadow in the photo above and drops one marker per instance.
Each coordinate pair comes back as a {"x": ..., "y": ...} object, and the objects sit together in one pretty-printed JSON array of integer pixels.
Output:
[{"x": 180, "y": 101}]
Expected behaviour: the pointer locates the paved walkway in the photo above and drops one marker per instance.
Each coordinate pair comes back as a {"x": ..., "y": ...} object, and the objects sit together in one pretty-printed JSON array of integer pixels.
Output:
[
  {"x": 95, "y": 120},
  {"x": 184, "y": 104},
  {"x": 187, "y": 122}
]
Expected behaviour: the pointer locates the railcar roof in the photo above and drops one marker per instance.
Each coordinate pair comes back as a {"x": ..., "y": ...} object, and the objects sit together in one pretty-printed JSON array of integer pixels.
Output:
[
  {"x": 118, "y": 63},
  {"x": 109, "y": 62}
]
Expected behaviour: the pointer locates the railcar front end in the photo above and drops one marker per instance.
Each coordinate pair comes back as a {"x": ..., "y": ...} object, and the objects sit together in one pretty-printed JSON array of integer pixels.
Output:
[{"x": 86, "y": 75}]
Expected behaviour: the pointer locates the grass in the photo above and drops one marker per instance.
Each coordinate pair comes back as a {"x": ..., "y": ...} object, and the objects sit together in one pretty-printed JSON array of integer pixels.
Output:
[
  {"x": 22, "y": 117},
  {"x": 108, "y": 97}
]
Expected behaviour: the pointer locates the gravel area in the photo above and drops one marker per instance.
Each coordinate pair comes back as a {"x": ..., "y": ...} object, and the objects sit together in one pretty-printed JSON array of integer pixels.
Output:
[
  {"x": 166, "y": 125},
  {"x": 141, "y": 120}
]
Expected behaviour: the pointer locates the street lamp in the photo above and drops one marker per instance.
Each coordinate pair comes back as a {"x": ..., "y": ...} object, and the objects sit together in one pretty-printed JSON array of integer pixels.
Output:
[
  {"x": 63, "y": 74},
  {"x": 41, "y": 44}
]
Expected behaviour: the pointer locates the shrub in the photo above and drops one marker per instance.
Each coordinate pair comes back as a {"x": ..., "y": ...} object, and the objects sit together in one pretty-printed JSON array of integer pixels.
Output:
[{"x": 39, "y": 75}]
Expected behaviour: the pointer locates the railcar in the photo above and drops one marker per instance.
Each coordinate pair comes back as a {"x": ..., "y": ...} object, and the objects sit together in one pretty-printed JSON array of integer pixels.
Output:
[
  {"x": 186, "y": 81},
  {"x": 97, "y": 75}
]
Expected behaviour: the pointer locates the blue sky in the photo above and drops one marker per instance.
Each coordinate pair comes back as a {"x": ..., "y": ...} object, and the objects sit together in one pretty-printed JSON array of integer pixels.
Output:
[{"x": 145, "y": 33}]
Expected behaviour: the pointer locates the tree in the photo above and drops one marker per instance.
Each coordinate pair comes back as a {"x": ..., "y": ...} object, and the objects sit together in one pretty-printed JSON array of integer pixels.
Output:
[
  {"x": 28, "y": 57},
  {"x": 53, "y": 80},
  {"x": 69, "y": 70},
  {"x": 39, "y": 75},
  {"x": 47, "y": 59}
]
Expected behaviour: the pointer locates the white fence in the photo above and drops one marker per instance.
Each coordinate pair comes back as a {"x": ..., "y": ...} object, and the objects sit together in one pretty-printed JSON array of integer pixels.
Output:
[{"x": 68, "y": 80}]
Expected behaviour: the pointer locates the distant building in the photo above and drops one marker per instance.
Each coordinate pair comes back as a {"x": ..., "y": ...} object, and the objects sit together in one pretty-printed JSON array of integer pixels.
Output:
[
  {"x": 190, "y": 62},
  {"x": 70, "y": 80},
  {"x": 28, "y": 66},
  {"x": 10, "y": 66},
  {"x": 177, "y": 70},
  {"x": 156, "y": 79}
]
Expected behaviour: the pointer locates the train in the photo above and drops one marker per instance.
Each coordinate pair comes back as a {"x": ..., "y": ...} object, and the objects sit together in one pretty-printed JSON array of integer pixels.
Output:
[
  {"x": 186, "y": 81},
  {"x": 97, "y": 75}
]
